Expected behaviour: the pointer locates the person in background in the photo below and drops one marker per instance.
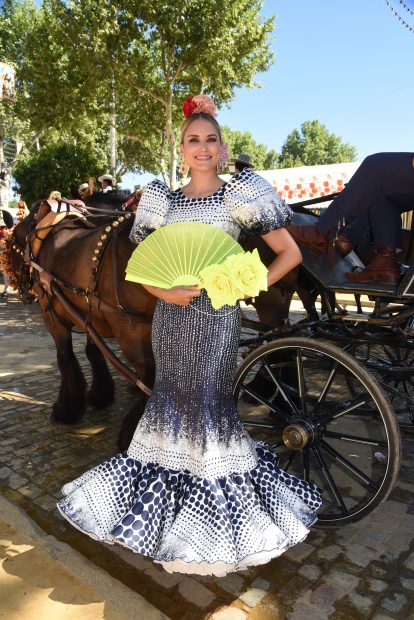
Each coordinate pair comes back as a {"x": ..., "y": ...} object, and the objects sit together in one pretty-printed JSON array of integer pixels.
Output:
[
  {"x": 241, "y": 162},
  {"x": 107, "y": 182},
  {"x": 88, "y": 188},
  {"x": 380, "y": 190},
  {"x": 3, "y": 236},
  {"x": 83, "y": 190},
  {"x": 22, "y": 210}
]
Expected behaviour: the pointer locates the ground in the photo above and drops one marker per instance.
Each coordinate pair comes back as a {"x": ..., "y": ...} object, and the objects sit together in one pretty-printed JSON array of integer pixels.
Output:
[{"x": 364, "y": 570}]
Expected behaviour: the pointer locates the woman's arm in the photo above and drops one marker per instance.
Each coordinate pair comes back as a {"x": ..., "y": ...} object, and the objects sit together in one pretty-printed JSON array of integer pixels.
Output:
[
  {"x": 288, "y": 254},
  {"x": 180, "y": 295}
]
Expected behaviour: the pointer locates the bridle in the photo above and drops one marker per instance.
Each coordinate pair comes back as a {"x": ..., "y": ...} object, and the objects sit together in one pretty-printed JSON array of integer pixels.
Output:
[{"x": 23, "y": 281}]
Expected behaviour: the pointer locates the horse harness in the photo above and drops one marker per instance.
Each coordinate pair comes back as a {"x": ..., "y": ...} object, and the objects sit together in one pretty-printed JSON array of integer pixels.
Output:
[{"x": 57, "y": 286}]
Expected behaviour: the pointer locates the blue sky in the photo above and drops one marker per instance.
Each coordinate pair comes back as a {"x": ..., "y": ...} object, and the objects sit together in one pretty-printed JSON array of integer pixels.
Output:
[{"x": 347, "y": 64}]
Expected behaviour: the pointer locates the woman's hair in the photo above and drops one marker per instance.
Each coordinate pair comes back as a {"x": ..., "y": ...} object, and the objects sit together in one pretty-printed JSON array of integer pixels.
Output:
[{"x": 194, "y": 117}]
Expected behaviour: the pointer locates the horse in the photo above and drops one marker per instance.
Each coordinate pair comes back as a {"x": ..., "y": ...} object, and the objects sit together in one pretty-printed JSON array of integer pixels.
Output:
[{"x": 87, "y": 257}]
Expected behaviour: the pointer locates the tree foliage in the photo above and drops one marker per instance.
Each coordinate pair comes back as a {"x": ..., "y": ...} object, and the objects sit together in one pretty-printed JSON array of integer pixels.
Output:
[
  {"x": 314, "y": 145},
  {"x": 54, "y": 167},
  {"x": 143, "y": 56},
  {"x": 16, "y": 20},
  {"x": 243, "y": 142}
]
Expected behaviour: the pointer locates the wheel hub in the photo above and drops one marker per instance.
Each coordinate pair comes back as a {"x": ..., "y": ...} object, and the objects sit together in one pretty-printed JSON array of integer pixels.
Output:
[{"x": 296, "y": 436}]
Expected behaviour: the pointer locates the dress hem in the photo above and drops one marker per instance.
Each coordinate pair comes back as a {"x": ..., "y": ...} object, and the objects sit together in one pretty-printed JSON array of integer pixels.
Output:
[{"x": 203, "y": 568}]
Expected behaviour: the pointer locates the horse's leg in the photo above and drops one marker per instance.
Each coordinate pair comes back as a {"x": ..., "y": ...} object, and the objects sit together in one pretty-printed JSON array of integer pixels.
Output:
[
  {"x": 135, "y": 343},
  {"x": 129, "y": 423},
  {"x": 102, "y": 390},
  {"x": 70, "y": 405}
]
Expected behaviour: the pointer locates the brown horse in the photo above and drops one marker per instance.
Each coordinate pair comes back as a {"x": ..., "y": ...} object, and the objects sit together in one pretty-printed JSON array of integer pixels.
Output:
[{"x": 88, "y": 258}]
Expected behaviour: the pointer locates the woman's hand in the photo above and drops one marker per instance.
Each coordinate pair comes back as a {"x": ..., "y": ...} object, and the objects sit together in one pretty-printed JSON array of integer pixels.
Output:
[{"x": 179, "y": 295}]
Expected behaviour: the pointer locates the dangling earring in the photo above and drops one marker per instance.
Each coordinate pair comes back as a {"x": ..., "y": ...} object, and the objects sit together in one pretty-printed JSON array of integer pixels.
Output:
[
  {"x": 223, "y": 157},
  {"x": 184, "y": 168}
]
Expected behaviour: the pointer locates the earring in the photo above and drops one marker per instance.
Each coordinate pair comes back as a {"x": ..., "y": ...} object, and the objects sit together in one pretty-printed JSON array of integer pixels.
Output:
[
  {"x": 184, "y": 168},
  {"x": 223, "y": 157}
]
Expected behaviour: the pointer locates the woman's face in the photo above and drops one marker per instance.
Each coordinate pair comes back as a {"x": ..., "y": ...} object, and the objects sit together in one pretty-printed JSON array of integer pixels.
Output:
[{"x": 201, "y": 145}]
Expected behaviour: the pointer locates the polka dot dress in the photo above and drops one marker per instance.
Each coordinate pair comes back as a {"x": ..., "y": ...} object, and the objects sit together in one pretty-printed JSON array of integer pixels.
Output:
[{"x": 193, "y": 491}]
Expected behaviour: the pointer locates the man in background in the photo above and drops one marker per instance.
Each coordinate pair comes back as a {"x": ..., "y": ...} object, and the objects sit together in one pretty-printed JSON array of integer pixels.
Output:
[
  {"x": 107, "y": 182},
  {"x": 241, "y": 162}
]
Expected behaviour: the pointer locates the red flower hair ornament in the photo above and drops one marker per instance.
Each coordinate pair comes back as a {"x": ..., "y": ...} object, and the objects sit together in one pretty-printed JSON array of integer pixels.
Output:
[{"x": 199, "y": 103}]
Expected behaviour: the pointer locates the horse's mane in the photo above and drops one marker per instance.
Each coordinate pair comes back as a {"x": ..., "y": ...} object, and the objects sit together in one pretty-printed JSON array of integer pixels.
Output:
[{"x": 113, "y": 199}]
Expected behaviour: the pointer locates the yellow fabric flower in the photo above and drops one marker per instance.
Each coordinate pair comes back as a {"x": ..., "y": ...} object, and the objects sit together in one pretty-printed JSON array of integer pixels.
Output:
[
  {"x": 247, "y": 272},
  {"x": 219, "y": 286}
]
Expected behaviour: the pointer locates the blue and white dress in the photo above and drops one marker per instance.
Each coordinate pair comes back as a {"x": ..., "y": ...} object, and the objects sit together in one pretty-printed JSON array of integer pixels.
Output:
[{"x": 194, "y": 491}]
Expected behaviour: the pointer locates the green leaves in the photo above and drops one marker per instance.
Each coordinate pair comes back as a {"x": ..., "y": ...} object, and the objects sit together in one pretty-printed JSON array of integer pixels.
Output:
[
  {"x": 61, "y": 168},
  {"x": 314, "y": 145},
  {"x": 243, "y": 142},
  {"x": 75, "y": 57}
]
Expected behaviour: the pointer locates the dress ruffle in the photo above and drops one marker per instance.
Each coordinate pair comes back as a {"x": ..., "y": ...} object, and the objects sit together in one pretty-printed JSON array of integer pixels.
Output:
[
  {"x": 190, "y": 524},
  {"x": 255, "y": 205}
]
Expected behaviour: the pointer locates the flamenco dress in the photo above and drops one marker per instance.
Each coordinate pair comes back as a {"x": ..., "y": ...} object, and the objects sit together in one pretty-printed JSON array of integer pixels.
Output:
[{"x": 194, "y": 491}]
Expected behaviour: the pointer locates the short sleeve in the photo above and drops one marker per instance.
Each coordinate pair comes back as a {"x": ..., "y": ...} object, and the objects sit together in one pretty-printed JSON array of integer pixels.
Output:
[
  {"x": 151, "y": 212},
  {"x": 255, "y": 205}
]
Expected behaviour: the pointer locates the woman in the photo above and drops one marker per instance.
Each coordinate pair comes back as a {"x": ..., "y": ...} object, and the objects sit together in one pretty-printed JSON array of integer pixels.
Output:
[{"x": 193, "y": 491}]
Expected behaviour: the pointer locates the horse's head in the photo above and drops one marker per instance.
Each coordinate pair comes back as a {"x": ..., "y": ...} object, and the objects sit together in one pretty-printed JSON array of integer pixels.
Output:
[{"x": 13, "y": 258}]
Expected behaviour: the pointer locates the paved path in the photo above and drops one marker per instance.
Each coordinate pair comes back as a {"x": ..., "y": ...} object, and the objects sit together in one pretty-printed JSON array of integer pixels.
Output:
[
  {"x": 42, "y": 577},
  {"x": 365, "y": 570}
]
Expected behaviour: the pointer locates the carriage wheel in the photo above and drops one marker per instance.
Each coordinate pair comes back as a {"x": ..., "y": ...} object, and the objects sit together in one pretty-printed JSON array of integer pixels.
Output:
[
  {"x": 344, "y": 439},
  {"x": 392, "y": 364}
]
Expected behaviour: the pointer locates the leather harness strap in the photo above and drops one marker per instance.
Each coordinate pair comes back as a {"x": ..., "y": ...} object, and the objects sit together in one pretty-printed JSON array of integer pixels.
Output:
[
  {"x": 56, "y": 286},
  {"x": 91, "y": 332}
]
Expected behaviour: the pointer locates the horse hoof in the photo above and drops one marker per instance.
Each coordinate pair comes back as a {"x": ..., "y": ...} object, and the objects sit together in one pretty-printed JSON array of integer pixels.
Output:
[
  {"x": 100, "y": 400},
  {"x": 65, "y": 418}
]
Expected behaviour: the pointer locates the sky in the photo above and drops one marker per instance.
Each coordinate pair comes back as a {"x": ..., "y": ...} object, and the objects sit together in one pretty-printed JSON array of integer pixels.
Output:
[{"x": 349, "y": 65}]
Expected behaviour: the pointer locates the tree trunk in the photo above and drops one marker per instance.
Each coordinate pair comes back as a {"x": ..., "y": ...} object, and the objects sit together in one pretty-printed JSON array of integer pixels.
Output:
[
  {"x": 112, "y": 137},
  {"x": 170, "y": 133}
]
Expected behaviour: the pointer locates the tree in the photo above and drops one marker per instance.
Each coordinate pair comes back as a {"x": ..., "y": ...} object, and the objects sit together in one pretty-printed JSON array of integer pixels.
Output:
[
  {"x": 17, "y": 19},
  {"x": 313, "y": 145},
  {"x": 243, "y": 142},
  {"x": 49, "y": 105},
  {"x": 145, "y": 57},
  {"x": 54, "y": 167}
]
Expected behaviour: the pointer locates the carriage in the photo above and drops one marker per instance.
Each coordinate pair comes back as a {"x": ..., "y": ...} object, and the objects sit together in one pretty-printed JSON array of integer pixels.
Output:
[
  {"x": 332, "y": 391},
  {"x": 329, "y": 392}
]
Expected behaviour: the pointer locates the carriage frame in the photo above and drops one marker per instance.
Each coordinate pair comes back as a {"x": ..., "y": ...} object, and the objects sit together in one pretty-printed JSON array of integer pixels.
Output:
[{"x": 351, "y": 446}]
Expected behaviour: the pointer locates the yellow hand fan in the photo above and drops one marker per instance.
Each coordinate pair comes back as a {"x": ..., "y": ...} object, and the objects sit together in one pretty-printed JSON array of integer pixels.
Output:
[{"x": 174, "y": 255}]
